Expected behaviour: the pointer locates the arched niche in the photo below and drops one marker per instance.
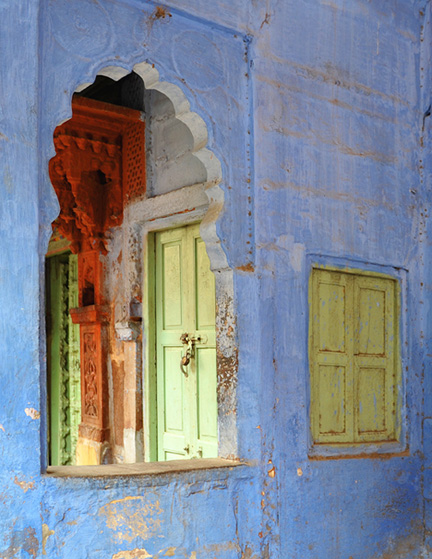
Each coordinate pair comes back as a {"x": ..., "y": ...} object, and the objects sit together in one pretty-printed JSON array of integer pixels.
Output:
[{"x": 183, "y": 187}]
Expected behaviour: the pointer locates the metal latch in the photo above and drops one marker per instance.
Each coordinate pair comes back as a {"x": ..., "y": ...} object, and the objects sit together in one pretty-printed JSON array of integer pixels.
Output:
[{"x": 188, "y": 340}]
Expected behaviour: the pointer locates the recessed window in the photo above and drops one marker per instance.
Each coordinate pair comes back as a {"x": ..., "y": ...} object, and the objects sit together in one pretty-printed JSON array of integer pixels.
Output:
[
  {"x": 131, "y": 341},
  {"x": 354, "y": 357}
]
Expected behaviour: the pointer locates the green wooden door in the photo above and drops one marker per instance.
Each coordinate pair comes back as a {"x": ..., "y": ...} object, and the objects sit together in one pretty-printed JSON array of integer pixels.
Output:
[
  {"x": 63, "y": 358},
  {"x": 185, "y": 304}
]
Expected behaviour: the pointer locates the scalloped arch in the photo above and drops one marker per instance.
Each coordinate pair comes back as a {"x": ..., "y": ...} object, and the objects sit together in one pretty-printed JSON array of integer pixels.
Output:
[{"x": 195, "y": 143}]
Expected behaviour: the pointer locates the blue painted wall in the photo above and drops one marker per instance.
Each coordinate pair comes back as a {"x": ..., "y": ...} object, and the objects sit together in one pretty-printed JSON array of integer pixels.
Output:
[{"x": 315, "y": 110}]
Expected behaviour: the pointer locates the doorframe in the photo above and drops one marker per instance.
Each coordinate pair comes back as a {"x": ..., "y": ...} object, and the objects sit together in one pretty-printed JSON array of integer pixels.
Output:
[
  {"x": 142, "y": 218},
  {"x": 57, "y": 247}
]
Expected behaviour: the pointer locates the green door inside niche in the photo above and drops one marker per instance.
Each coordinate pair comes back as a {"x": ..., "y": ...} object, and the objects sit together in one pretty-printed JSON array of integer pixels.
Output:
[
  {"x": 186, "y": 415},
  {"x": 63, "y": 358}
]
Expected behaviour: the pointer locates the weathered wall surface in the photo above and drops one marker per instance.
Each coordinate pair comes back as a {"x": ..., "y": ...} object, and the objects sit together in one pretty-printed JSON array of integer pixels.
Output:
[
  {"x": 337, "y": 124},
  {"x": 19, "y": 291},
  {"x": 314, "y": 109},
  {"x": 179, "y": 515},
  {"x": 424, "y": 239}
]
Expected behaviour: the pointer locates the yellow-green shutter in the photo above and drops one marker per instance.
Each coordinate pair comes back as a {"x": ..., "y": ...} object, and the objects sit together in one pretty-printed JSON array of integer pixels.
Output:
[{"x": 353, "y": 357}]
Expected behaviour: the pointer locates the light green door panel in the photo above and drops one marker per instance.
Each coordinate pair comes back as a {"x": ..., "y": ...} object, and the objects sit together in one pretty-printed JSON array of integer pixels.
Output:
[
  {"x": 173, "y": 437},
  {"x": 172, "y": 299},
  {"x": 205, "y": 289},
  {"x": 185, "y": 303},
  {"x": 206, "y": 403},
  {"x": 171, "y": 320}
]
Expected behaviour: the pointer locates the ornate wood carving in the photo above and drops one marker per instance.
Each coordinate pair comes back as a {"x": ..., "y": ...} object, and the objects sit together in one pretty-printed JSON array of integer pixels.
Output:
[
  {"x": 64, "y": 358},
  {"x": 94, "y": 408},
  {"x": 89, "y": 279},
  {"x": 92, "y": 318},
  {"x": 74, "y": 360},
  {"x": 91, "y": 404},
  {"x": 64, "y": 450},
  {"x": 99, "y": 165}
]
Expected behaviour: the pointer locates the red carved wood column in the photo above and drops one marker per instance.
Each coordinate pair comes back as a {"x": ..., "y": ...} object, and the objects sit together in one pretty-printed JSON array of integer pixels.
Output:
[
  {"x": 92, "y": 316},
  {"x": 99, "y": 166}
]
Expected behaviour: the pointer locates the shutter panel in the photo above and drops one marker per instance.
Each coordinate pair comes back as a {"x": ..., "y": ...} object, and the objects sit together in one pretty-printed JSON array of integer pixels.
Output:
[
  {"x": 331, "y": 385},
  {"x": 374, "y": 359}
]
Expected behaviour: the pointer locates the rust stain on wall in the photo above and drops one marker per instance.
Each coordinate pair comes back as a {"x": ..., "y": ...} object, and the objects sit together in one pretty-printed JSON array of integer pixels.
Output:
[
  {"x": 246, "y": 268},
  {"x": 405, "y": 547},
  {"x": 247, "y": 554},
  {"x": 212, "y": 550},
  {"x": 132, "y": 517},
  {"x": 25, "y": 485},
  {"x": 159, "y": 13},
  {"x": 132, "y": 554}
]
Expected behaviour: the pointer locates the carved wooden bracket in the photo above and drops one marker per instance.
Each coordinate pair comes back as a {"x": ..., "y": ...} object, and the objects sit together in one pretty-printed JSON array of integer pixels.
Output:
[{"x": 99, "y": 166}]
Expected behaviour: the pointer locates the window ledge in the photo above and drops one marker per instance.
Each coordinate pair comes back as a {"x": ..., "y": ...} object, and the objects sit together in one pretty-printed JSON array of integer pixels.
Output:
[
  {"x": 365, "y": 450},
  {"x": 142, "y": 468}
]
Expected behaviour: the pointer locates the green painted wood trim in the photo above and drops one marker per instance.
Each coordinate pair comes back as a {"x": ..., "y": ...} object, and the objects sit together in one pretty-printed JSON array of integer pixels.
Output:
[
  {"x": 63, "y": 363},
  {"x": 53, "y": 353},
  {"x": 74, "y": 384},
  {"x": 150, "y": 400}
]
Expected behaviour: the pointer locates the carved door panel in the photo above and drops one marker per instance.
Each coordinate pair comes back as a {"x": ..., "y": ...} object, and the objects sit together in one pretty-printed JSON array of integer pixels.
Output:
[
  {"x": 185, "y": 330},
  {"x": 63, "y": 358}
]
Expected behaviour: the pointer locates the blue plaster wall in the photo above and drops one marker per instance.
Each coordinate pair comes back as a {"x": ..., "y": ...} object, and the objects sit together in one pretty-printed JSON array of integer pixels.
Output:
[
  {"x": 315, "y": 109},
  {"x": 337, "y": 130}
]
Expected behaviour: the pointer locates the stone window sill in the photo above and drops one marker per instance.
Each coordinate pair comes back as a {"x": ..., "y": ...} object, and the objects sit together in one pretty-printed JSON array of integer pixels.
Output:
[
  {"x": 141, "y": 469},
  {"x": 366, "y": 450}
]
